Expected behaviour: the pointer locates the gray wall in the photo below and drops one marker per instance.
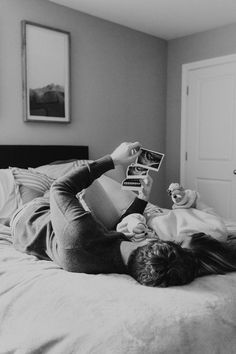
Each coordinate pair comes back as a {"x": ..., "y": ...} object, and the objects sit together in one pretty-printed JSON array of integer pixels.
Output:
[
  {"x": 118, "y": 83},
  {"x": 200, "y": 46}
]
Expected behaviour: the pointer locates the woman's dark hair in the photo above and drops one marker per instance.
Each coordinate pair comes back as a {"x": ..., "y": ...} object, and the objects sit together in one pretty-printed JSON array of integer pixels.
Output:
[
  {"x": 213, "y": 256},
  {"x": 162, "y": 263},
  {"x": 165, "y": 263}
]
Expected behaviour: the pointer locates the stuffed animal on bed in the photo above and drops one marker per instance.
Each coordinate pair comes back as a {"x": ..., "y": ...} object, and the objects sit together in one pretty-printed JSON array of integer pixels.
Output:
[{"x": 182, "y": 198}]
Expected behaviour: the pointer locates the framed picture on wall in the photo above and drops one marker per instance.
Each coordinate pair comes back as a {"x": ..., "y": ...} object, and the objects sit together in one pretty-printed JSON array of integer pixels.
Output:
[{"x": 46, "y": 73}]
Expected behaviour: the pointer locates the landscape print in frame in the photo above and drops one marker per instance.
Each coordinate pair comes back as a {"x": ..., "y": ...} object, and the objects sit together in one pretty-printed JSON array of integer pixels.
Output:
[{"x": 46, "y": 73}]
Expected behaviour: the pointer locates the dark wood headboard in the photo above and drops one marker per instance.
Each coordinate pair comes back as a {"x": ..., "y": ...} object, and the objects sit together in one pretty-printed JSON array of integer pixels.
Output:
[{"x": 36, "y": 155}]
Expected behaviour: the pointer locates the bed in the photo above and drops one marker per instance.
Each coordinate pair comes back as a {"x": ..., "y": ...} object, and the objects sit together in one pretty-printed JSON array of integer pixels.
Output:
[{"x": 44, "y": 309}]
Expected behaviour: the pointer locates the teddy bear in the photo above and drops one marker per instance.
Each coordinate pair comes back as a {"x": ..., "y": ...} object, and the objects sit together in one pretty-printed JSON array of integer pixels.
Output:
[{"x": 182, "y": 198}]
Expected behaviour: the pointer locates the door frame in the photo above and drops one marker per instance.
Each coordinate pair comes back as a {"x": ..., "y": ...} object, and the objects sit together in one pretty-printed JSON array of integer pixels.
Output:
[{"x": 186, "y": 68}]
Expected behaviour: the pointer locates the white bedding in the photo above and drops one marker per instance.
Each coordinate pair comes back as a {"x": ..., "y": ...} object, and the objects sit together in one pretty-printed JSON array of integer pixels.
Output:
[{"x": 44, "y": 309}]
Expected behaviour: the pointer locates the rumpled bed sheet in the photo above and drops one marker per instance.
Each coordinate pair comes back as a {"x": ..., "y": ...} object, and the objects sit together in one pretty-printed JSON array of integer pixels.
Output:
[{"x": 44, "y": 309}]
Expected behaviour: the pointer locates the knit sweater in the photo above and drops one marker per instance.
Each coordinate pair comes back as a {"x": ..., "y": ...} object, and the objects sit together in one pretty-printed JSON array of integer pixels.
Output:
[{"x": 32, "y": 227}]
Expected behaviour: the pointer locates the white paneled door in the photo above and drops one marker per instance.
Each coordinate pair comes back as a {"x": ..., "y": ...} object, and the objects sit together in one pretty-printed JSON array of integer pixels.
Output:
[{"x": 208, "y": 133}]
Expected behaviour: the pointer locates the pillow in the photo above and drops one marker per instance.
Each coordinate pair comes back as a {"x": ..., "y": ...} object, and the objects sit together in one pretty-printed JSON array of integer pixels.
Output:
[
  {"x": 9, "y": 194},
  {"x": 59, "y": 168},
  {"x": 106, "y": 200},
  {"x": 27, "y": 194},
  {"x": 31, "y": 184}
]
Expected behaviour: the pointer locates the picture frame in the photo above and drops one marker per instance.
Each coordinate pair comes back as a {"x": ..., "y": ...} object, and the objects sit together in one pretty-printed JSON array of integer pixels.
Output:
[{"x": 45, "y": 73}]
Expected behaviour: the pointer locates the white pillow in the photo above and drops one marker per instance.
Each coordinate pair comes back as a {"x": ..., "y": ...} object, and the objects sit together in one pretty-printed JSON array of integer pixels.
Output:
[
  {"x": 32, "y": 184},
  {"x": 9, "y": 194},
  {"x": 58, "y": 169},
  {"x": 32, "y": 179}
]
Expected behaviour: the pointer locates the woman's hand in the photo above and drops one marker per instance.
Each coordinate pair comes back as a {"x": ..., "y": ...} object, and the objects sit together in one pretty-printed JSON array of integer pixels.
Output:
[
  {"x": 126, "y": 153},
  {"x": 132, "y": 224},
  {"x": 146, "y": 188},
  {"x": 136, "y": 233}
]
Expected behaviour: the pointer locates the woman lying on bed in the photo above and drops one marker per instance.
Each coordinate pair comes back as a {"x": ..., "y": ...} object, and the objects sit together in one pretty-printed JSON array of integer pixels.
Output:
[
  {"x": 61, "y": 230},
  {"x": 191, "y": 224}
]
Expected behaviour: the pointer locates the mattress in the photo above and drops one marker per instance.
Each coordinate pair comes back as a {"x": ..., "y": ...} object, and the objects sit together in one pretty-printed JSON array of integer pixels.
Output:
[{"x": 44, "y": 309}]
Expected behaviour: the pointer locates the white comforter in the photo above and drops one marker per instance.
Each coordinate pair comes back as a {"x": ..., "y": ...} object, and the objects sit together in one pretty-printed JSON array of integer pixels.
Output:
[{"x": 44, "y": 309}]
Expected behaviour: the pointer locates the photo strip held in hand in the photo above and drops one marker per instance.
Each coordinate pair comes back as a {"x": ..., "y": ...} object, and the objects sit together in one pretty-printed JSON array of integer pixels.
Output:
[{"x": 146, "y": 161}]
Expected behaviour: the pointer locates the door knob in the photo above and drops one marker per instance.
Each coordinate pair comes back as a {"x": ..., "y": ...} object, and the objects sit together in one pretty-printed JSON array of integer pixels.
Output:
[{"x": 234, "y": 171}]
